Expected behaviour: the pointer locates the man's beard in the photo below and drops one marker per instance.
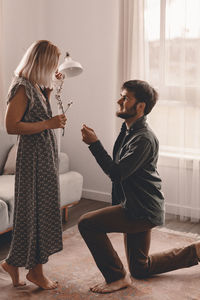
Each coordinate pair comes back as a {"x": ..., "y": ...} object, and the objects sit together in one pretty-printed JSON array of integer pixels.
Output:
[{"x": 126, "y": 115}]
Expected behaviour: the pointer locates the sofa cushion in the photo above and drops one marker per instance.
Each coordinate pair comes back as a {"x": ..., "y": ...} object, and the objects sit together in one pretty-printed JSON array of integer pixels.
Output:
[
  {"x": 63, "y": 163},
  {"x": 70, "y": 188},
  {"x": 71, "y": 184},
  {"x": 6, "y": 143},
  {"x": 7, "y": 187},
  {"x": 10, "y": 165},
  {"x": 4, "y": 217}
]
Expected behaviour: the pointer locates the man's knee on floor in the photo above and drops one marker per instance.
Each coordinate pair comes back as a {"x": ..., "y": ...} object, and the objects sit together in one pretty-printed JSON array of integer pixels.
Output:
[{"x": 139, "y": 271}]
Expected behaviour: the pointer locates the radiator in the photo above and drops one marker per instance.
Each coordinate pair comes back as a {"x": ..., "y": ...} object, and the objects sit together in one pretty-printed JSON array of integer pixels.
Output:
[{"x": 180, "y": 184}]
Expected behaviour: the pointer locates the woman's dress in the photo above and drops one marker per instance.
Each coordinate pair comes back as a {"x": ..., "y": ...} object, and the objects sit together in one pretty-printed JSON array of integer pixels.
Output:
[{"x": 37, "y": 229}]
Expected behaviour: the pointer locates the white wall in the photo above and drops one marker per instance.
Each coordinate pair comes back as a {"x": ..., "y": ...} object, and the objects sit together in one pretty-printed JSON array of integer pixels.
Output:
[
  {"x": 21, "y": 26},
  {"x": 89, "y": 31}
]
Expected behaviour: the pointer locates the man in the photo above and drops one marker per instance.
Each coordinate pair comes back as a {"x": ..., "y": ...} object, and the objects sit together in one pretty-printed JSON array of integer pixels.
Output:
[{"x": 138, "y": 203}]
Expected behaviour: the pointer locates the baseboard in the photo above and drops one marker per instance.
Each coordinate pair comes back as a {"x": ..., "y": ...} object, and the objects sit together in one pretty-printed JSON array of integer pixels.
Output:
[
  {"x": 183, "y": 210},
  {"x": 96, "y": 195},
  {"x": 182, "y": 233}
]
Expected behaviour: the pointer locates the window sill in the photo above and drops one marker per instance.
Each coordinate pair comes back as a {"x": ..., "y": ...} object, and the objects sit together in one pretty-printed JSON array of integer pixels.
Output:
[{"x": 178, "y": 160}]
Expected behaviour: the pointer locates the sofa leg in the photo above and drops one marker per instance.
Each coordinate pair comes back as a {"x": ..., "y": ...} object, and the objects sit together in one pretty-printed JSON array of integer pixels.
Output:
[
  {"x": 7, "y": 230},
  {"x": 73, "y": 204},
  {"x": 65, "y": 209},
  {"x": 66, "y": 214}
]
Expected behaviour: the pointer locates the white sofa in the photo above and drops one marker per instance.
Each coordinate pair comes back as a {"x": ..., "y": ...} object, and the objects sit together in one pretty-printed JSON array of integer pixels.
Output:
[{"x": 71, "y": 184}]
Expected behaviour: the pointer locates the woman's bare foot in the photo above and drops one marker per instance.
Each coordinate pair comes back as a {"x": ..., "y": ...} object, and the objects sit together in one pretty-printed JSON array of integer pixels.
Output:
[
  {"x": 41, "y": 281},
  {"x": 111, "y": 287},
  {"x": 14, "y": 274}
]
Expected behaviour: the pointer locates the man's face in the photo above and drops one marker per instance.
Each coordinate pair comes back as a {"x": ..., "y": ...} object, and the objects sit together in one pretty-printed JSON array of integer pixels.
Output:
[{"x": 127, "y": 105}]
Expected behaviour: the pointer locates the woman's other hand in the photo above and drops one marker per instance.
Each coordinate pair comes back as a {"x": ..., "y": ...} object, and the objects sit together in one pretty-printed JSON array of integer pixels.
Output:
[{"x": 58, "y": 121}]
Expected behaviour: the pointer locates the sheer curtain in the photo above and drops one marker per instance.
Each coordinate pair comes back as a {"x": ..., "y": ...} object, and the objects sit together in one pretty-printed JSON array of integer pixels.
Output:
[
  {"x": 134, "y": 50},
  {"x": 2, "y": 94},
  {"x": 164, "y": 44}
]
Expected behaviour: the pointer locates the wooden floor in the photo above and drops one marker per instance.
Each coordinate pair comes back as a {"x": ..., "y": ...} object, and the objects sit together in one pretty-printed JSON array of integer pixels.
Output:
[{"x": 172, "y": 222}]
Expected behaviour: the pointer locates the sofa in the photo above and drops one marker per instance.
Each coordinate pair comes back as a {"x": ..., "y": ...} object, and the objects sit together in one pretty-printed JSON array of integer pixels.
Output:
[{"x": 71, "y": 182}]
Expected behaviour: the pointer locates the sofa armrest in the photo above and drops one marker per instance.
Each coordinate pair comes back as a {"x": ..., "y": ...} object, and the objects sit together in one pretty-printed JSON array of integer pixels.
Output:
[
  {"x": 7, "y": 140},
  {"x": 63, "y": 163}
]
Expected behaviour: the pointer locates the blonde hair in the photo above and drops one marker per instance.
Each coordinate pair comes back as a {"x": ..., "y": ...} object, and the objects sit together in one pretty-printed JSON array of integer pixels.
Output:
[{"x": 39, "y": 63}]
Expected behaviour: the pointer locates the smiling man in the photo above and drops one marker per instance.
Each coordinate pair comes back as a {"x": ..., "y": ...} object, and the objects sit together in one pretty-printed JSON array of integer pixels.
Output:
[{"x": 138, "y": 202}]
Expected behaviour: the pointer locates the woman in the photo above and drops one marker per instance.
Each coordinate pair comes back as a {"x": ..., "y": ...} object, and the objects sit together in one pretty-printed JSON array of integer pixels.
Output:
[{"x": 37, "y": 231}]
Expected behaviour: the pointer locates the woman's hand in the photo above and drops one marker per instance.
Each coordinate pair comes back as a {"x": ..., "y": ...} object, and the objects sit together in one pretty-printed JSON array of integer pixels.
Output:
[
  {"x": 58, "y": 75},
  {"x": 88, "y": 135},
  {"x": 58, "y": 121}
]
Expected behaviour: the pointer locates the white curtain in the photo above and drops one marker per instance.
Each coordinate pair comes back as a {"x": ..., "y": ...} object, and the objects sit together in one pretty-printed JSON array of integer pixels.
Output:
[
  {"x": 132, "y": 43},
  {"x": 2, "y": 93},
  {"x": 162, "y": 47}
]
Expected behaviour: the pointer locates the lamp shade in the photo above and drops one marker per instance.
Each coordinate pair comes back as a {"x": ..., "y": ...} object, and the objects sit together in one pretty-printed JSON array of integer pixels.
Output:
[{"x": 70, "y": 68}]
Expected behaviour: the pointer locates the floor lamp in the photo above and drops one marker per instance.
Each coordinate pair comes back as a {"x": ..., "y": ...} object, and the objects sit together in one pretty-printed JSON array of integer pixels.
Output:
[{"x": 69, "y": 68}]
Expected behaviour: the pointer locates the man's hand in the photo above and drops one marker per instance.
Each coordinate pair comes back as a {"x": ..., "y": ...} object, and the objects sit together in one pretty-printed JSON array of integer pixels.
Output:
[{"x": 88, "y": 135}]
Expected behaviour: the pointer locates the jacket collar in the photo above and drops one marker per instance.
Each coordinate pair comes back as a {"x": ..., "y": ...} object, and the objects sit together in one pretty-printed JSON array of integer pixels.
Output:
[{"x": 138, "y": 124}]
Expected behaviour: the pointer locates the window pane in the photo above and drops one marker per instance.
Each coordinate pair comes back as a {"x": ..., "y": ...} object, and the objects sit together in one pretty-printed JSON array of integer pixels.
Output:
[
  {"x": 178, "y": 58},
  {"x": 182, "y": 42},
  {"x": 174, "y": 69},
  {"x": 177, "y": 127}
]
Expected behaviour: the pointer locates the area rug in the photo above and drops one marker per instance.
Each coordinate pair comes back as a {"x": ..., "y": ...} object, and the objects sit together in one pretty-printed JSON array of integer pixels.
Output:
[{"x": 75, "y": 270}]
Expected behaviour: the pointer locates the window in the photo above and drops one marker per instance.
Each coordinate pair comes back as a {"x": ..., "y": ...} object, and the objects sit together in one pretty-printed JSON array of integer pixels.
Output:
[{"x": 172, "y": 39}]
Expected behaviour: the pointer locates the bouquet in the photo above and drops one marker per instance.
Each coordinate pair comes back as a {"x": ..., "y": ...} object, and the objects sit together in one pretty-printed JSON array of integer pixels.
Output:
[{"x": 58, "y": 83}]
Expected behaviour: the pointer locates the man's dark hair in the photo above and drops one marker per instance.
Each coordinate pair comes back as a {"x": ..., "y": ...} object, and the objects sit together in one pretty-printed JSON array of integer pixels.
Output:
[{"x": 143, "y": 92}]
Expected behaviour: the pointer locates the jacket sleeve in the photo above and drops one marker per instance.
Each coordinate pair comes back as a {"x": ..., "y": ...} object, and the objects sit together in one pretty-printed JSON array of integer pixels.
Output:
[{"x": 135, "y": 157}]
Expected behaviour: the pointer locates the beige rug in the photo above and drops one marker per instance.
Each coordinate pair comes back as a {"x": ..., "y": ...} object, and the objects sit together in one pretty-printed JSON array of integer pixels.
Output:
[{"x": 75, "y": 270}]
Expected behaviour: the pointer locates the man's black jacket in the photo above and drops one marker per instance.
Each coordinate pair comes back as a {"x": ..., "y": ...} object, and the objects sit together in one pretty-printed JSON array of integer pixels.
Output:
[{"x": 133, "y": 171}]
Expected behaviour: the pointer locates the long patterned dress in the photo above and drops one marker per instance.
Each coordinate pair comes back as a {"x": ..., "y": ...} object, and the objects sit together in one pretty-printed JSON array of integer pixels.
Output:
[{"x": 37, "y": 229}]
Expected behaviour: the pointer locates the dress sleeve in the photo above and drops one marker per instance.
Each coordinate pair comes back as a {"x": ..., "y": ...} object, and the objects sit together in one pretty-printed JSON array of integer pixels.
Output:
[{"x": 15, "y": 84}]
